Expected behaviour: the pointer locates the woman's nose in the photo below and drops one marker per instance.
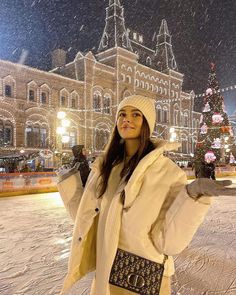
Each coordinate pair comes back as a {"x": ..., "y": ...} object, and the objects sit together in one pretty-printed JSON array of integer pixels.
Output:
[{"x": 126, "y": 119}]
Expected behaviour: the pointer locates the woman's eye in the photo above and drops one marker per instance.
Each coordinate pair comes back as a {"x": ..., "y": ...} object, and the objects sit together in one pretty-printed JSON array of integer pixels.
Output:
[
  {"x": 122, "y": 115},
  {"x": 136, "y": 114}
]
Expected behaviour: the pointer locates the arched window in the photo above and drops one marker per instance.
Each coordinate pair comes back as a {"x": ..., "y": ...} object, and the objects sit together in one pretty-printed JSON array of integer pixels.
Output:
[
  {"x": 165, "y": 115},
  {"x": 107, "y": 104},
  {"x": 6, "y": 133},
  {"x": 73, "y": 103},
  {"x": 97, "y": 102},
  {"x": 32, "y": 91},
  {"x": 64, "y": 98},
  {"x": 36, "y": 136},
  {"x": 158, "y": 113},
  {"x": 62, "y": 101},
  {"x": 9, "y": 85}
]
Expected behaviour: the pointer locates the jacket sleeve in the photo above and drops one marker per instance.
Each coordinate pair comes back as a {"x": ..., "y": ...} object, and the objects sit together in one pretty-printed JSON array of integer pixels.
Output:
[
  {"x": 71, "y": 191},
  {"x": 179, "y": 218}
]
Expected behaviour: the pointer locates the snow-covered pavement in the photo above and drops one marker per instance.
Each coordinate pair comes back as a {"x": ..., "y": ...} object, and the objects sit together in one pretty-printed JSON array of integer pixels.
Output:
[{"x": 35, "y": 235}]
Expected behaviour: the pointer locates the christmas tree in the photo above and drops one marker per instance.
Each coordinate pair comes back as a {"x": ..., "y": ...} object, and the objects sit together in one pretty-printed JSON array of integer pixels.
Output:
[{"x": 215, "y": 134}]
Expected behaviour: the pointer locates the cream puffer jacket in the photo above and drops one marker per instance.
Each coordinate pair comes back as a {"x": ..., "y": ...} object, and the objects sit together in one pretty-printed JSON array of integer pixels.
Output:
[{"x": 158, "y": 217}]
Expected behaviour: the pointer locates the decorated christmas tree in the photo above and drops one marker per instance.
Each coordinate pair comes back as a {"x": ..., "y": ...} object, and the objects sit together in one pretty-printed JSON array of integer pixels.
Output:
[{"x": 215, "y": 134}]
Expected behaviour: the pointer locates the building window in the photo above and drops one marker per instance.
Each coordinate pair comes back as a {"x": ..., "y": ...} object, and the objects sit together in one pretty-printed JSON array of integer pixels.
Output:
[
  {"x": 6, "y": 133},
  {"x": 43, "y": 97},
  {"x": 36, "y": 136},
  {"x": 165, "y": 115},
  {"x": 63, "y": 101},
  {"x": 73, "y": 104},
  {"x": 185, "y": 120},
  {"x": 106, "y": 105},
  {"x": 31, "y": 95},
  {"x": 8, "y": 91},
  {"x": 43, "y": 137},
  {"x": 97, "y": 102},
  {"x": 159, "y": 114}
]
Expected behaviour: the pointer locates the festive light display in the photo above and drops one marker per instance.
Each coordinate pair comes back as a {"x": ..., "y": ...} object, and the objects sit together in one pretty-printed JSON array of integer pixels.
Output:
[{"x": 215, "y": 137}]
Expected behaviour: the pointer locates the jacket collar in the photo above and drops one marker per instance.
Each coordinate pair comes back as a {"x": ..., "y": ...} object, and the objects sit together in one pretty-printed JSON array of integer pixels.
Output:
[{"x": 135, "y": 182}]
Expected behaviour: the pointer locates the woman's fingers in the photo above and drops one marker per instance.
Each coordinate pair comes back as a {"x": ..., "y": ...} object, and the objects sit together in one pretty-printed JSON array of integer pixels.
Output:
[{"x": 223, "y": 182}]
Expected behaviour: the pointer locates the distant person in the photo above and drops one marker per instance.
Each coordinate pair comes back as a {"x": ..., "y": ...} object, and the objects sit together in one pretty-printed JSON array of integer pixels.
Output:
[
  {"x": 136, "y": 210},
  {"x": 207, "y": 170},
  {"x": 80, "y": 159},
  {"x": 26, "y": 168},
  {"x": 39, "y": 167}
]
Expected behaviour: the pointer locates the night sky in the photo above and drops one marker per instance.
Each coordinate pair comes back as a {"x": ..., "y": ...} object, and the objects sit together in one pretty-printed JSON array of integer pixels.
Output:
[{"x": 203, "y": 31}]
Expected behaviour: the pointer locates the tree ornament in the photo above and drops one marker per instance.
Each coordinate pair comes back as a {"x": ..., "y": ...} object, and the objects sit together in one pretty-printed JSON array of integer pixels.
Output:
[
  {"x": 209, "y": 92},
  {"x": 217, "y": 118},
  {"x": 216, "y": 143},
  {"x": 204, "y": 129},
  {"x": 199, "y": 144},
  {"x": 206, "y": 108},
  {"x": 231, "y": 159},
  {"x": 209, "y": 157}
]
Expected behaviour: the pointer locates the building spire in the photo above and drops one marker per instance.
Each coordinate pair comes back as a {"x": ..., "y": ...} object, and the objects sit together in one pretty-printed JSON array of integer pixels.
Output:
[
  {"x": 114, "y": 34},
  {"x": 164, "y": 54}
]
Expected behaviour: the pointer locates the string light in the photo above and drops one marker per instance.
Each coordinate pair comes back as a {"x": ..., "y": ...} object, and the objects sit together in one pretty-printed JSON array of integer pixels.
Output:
[{"x": 232, "y": 87}]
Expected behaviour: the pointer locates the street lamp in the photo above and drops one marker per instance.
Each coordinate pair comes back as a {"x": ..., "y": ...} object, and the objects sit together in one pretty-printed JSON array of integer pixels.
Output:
[{"x": 63, "y": 136}]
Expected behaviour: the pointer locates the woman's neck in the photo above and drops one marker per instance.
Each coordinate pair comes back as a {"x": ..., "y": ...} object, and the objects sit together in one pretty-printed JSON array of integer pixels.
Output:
[{"x": 131, "y": 146}]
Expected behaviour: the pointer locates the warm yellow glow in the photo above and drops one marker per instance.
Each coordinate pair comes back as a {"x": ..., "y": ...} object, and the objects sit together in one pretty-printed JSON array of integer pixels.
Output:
[
  {"x": 61, "y": 115},
  {"x": 173, "y": 135},
  {"x": 22, "y": 151},
  {"x": 65, "y": 123},
  {"x": 61, "y": 130},
  {"x": 65, "y": 139}
]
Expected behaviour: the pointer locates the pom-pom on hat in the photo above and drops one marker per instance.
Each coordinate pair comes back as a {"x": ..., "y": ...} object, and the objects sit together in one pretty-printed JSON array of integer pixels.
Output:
[{"x": 144, "y": 104}]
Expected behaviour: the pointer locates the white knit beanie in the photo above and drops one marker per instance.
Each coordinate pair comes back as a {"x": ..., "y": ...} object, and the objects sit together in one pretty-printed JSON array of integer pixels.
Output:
[{"x": 144, "y": 104}]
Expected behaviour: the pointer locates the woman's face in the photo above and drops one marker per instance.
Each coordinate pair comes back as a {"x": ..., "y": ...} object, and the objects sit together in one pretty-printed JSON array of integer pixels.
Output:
[{"x": 129, "y": 122}]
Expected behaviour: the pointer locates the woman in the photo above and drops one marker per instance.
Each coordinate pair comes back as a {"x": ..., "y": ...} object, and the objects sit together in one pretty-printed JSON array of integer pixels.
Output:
[{"x": 135, "y": 199}]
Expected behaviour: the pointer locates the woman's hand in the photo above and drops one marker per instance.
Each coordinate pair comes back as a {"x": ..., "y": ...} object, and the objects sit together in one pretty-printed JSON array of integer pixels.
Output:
[{"x": 207, "y": 187}]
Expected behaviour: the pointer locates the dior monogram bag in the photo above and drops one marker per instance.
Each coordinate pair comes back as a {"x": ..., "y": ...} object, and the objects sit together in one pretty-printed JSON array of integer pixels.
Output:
[{"x": 136, "y": 274}]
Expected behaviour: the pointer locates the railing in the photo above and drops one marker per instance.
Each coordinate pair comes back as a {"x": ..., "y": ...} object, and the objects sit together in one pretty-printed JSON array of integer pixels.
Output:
[{"x": 27, "y": 183}]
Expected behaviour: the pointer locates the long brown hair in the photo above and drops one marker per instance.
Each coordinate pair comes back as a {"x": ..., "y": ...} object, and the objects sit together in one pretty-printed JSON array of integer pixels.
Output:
[{"x": 116, "y": 152}]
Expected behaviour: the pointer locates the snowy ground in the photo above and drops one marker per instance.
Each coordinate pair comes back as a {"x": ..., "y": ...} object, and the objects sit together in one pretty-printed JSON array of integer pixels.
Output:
[{"x": 35, "y": 234}]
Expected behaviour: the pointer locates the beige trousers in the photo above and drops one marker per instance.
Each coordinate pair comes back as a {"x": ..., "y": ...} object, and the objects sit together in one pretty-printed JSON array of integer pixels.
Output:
[{"x": 165, "y": 288}]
